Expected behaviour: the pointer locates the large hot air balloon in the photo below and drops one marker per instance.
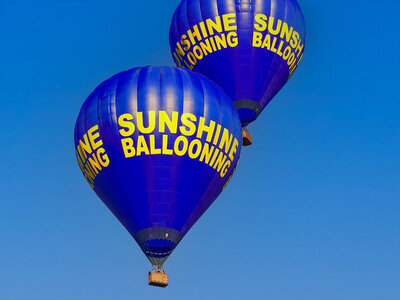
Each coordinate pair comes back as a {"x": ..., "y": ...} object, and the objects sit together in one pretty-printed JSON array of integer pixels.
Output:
[
  {"x": 249, "y": 47},
  {"x": 158, "y": 145}
]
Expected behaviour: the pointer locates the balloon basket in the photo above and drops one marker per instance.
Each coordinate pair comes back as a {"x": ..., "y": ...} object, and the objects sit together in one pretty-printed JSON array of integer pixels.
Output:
[
  {"x": 158, "y": 277},
  {"x": 246, "y": 138}
]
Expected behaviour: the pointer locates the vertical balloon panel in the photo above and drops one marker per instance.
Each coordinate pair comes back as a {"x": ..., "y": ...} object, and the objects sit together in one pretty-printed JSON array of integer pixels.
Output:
[{"x": 158, "y": 145}]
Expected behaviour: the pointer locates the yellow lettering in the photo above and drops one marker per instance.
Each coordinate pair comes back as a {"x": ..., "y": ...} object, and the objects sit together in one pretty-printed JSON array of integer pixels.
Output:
[
  {"x": 123, "y": 121},
  {"x": 187, "y": 120},
  {"x": 185, "y": 42},
  {"x": 280, "y": 48},
  {"x": 206, "y": 153},
  {"x": 194, "y": 34},
  {"x": 226, "y": 140},
  {"x": 285, "y": 32},
  {"x": 165, "y": 149},
  {"x": 232, "y": 39},
  {"x": 229, "y": 21},
  {"x": 103, "y": 157},
  {"x": 225, "y": 168},
  {"x": 152, "y": 122},
  {"x": 271, "y": 26},
  {"x": 197, "y": 52},
  {"x": 93, "y": 136},
  {"x": 179, "y": 140},
  {"x": 192, "y": 59},
  {"x": 233, "y": 149},
  {"x": 221, "y": 41},
  {"x": 287, "y": 52},
  {"x": 211, "y": 25},
  {"x": 257, "y": 39},
  {"x": 142, "y": 146},
  {"x": 267, "y": 42},
  {"x": 261, "y": 23},
  {"x": 177, "y": 60},
  {"x": 273, "y": 49},
  {"x": 299, "y": 48},
  {"x": 194, "y": 143},
  {"x": 179, "y": 50},
  {"x": 214, "y": 157},
  {"x": 216, "y": 137},
  {"x": 85, "y": 145},
  {"x": 153, "y": 149},
  {"x": 163, "y": 119},
  {"x": 78, "y": 157},
  {"x": 295, "y": 39},
  {"x": 203, "y": 29},
  {"x": 90, "y": 172},
  {"x": 127, "y": 146},
  {"x": 95, "y": 164},
  {"x": 219, "y": 162},
  {"x": 206, "y": 47},
  {"x": 209, "y": 129}
]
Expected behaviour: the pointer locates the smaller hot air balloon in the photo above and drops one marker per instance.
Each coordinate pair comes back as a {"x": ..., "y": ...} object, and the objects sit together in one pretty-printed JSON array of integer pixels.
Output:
[
  {"x": 249, "y": 47},
  {"x": 158, "y": 145}
]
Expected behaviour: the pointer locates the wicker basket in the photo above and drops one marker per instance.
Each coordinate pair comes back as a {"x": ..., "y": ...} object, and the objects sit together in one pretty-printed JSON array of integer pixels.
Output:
[
  {"x": 246, "y": 138},
  {"x": 158, "y": 279}
]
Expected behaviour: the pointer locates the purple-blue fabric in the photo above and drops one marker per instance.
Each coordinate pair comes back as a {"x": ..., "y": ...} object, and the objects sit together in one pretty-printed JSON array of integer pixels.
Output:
[
  {"x": 151, "y": 191},
  {"x": 244, "y": 72}
]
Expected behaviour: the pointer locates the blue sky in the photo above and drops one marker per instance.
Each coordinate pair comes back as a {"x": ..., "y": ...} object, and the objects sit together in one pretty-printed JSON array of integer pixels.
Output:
[{"x": 313, "y": 211}]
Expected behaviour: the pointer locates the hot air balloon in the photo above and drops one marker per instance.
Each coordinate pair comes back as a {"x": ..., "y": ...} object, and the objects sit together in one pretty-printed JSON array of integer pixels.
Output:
[
  {"x": 249, "y": 47},
  {"x": 158, "y": 145}
]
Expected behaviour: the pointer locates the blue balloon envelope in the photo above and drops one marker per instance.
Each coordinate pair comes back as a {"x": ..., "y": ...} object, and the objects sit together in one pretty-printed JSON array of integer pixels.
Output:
[
  {"x": 158, "y": 145},
  {"x": 249, "y": 47}
]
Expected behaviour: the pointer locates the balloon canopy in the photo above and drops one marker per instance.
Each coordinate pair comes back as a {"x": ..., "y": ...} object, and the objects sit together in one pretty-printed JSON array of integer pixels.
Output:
[
  {"x": 158, "y": 145},
  {"x": 249, "y": 47}
]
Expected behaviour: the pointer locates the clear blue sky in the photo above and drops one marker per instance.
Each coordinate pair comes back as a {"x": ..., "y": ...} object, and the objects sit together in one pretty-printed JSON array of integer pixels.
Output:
[{"x": 313, "y": 211}]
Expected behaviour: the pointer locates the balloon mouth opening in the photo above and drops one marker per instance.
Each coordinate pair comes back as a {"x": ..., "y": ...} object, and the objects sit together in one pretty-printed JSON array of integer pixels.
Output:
[
  {"x": 247, "y": 116},
  {"x": 248, "y": 110},
  {"x": 158, "y": 248},
  {"x": 157, "y": 243}
]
